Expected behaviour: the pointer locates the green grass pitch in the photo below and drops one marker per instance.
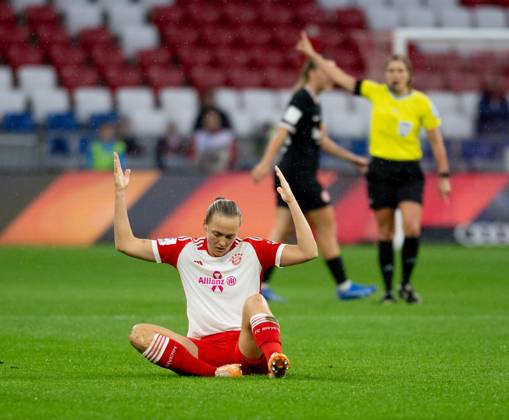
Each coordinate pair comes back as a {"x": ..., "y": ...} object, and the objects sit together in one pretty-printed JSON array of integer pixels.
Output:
[{"x": 65, "y": 315}]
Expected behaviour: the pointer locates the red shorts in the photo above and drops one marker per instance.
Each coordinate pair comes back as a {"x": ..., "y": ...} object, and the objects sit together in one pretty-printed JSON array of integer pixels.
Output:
[{"x": 223, "y": 349}]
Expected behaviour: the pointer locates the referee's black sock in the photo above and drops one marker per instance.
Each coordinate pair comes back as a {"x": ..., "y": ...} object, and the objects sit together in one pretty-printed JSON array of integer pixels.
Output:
[
  {"x": 409, "y": 257},
  {"x": 337, "y": 269},
  {"x": 267, "y": 275},
  {"x": 386, "y": 262}
]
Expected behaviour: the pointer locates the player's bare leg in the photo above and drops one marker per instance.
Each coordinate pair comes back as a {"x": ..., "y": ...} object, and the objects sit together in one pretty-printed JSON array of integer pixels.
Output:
[
  {"x": 174, "y": 351},
  {"x": 260, "y": 335},
  {"x": 385, "y": 222},
  {"x": 324, "y": 226}
]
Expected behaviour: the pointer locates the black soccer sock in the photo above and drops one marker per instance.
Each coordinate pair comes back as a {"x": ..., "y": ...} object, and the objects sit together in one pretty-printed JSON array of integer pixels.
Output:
[
  {"x": 267, "y": 274},
  {"x": 409, "y": 257},
  {"x": 386, "y": 262},
  {"x": 337, "y": 269}
]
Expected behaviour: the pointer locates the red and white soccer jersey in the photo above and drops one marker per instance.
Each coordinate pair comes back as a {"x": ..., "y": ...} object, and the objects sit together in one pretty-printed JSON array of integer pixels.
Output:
[{"x": 217, "y": 287}]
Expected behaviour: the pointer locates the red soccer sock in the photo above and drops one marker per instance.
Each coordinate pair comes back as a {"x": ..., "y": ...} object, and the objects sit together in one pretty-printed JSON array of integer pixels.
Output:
[
  {"x": 172, "y": 355},
  {"x": 266, "y": 333}
]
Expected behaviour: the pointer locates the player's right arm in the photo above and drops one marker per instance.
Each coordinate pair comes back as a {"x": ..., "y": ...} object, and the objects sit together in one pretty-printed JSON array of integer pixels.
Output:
[
  {"x": 125, "y": 241},
  {"x": 265, "y": 166},
  {"x": 338, "y": 76}
]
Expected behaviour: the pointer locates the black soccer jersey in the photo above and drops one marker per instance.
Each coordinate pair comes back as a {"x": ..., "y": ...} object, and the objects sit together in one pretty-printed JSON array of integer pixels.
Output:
[{"x": 303, "y": 119}]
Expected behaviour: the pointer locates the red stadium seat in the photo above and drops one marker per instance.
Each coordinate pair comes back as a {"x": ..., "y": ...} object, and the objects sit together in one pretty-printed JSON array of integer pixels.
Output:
[
  {"x": 165, "y": 16},
  {"x": 7, "y": 17},
  {"x": 251, "y": 35},
  {"x": 240, "y": 14},
  {"x": 43, "y": 14},
  {"x": 426, "y": 80},
  {"x": 229, "y": 56},
  {"x": 18, "y": 55},
  {"x": 278, "y": 78},
  {"x": 206, "y": 77},
  {"x": 190, "y": 57},
  {"x": 243, "y": 77},
  {"x": 161, "y": 76},
  {"x": 122, "y": 76},
  {"x": 157, "y": 56},
  {"x": 104, "y": 56},
  {"x": 275, "y": 14},
  {"x": 91, "y": 37},
  {"x": 205, "y": 13},
  {"x": 63, "y": 55},
  {"x": 217, "y": 36},
  {"x": 10, "y": 37},
  {"x": 443, "y": 62},
  {"x": 350, "y": 18},
  {"x": 267, "y": 57},
  {"x": 49, "y": 35},
  {"x": 286, "y": 36},
  {"x": 459, "y": 81},
  {"x": 73, "y": 77},
  {"x": 313, "y": 14},
  {"x": 176, "y": 37}
]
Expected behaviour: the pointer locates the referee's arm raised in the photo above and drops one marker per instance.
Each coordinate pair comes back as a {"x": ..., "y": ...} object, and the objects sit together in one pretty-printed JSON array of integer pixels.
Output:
[{"x": 338, "y": 76}]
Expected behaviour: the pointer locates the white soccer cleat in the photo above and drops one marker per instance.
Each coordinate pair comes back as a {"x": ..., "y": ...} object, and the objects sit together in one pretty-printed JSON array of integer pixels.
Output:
[
  {"x": 278, "y": 365},
  {"x": 232, "y": 371}
]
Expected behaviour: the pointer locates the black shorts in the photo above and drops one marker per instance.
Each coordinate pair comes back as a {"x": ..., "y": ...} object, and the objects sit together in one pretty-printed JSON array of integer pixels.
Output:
[
  {"x": 307, "y": 190},
  {"x": 390, "y": 182}
]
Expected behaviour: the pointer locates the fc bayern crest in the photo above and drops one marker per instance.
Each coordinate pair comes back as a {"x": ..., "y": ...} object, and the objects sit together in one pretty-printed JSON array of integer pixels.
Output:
[{"x": 236, "y": 259}]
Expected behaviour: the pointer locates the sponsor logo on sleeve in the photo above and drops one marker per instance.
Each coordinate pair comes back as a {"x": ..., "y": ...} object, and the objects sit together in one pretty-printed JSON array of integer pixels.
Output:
[{"x": 167, "y": 241}]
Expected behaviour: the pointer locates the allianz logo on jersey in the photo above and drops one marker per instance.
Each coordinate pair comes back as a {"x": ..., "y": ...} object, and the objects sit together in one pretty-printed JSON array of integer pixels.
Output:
[{"x": 217, "y": 283}]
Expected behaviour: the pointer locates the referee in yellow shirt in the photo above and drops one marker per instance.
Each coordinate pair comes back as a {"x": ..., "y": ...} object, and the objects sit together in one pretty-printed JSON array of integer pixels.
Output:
[{"x": 395, "y": 179}]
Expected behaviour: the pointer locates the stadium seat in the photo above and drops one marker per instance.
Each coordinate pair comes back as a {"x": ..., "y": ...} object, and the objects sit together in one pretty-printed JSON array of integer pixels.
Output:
[
  {"x": 383, "y": 18},
  {"x": 153, "y": 56},
  {"x": 240, "y": 14},
  {"x": 207, "y": 77},
  {"x": 21, "y": 122},
  {"x": 82, "y": 16},
  {"x": 6, "y": 79},
  {"x": 133, "y": 99},
  {"x": 445, "y": 102},
  {"x": 312, "y": 14},
  {"x": 149, "y": 4},
  {"x": 489, "y": 17},
  {"x": 245, "y": 78},
  {"x": 33, "y": 78},
  {"x": 191, "y": 57},
  {"x": 437, "y": 5},
  {"x": 228, "y": 99},
  {"x": 13, "y": 101},
  {"x": 180, "y": 105},
  {"x": 137, "y": 38},
  {"x": 46, "y": 102},
  {"x": 117, "y": 76},
  {"x": 13, "y": 37},
  {"x": 234, "y": 57},
  {"x": 162, "y": 76},
  {"x": 7, "y": 16},
  {"x": 124, "y": 15},
  {"x": 418, "y": 17},
  {"x": 284, "y": 96},
  {"x": 458, "y": 81},
  {"x": 112, "y": 4},
  {"x": 371, "y": 3},
  {"x": 166, "y": 16},
  {"x": 99, "y": 118},
  {"x": 106, "y": 55},
  {"x": 37, "y": 15},
  {"x": 77, "y": 76},
  {"x": 279, "y": 78},
  {"x": 334, "y": 101},
  {"x": 217, "y": 36},
  {"x": 176, "y": 37},
  {"x": 149, "y": 123},
  {"x": 251, "y": 35},
  {"x": 49, "y": 35},
  {"x": 261, "y": 105},
  {"x": 88, "y": 101},
  {"x": 20, "y": 5},
  {"x": 62, "y": 55},
  {"x": 362, "y": 107},
  {"x": 457, "y": 126},
  {"x": 203, "y": 13},
  {"x": 350, "y": 18},
  {"x": 424, "y": 80},
  {"x": 454, "y": 17},
  {"x": 347, "y": 125},
  {"x": 242, "y": 123},
  {"x": 265, "y": 57},
  {"x": 23, "y": 55},
  {"x": 272, "y": 14},
  {"x": 469, "y": 104},
  {"x": 65, "y": 121},
  {"x": 335, "y": 4}
]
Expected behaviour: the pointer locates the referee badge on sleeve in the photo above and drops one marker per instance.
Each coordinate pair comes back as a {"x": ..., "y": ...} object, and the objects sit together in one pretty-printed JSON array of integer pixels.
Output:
[{"x": 404, "y": 128}]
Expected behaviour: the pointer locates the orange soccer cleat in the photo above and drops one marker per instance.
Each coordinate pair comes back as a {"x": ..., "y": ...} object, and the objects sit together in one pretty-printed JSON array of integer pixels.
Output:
[
  {"x": 232, "y": 371},
  {"x": 278, "y": 365}
]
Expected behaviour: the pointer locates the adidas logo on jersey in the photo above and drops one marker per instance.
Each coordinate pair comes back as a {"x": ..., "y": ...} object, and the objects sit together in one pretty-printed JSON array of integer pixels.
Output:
[{"x": 198, "y": 262}]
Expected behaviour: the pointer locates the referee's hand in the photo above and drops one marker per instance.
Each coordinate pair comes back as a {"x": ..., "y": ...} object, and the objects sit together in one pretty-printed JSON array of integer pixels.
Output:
[{"x": 444, "y": 188}]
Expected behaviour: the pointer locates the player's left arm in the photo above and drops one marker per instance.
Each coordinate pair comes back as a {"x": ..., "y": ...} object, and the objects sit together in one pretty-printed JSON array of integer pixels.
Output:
[
  {"x": 306, "y": 248},
  {"x": 437, "y": 146},
  {"x": 330, "y": 147}
]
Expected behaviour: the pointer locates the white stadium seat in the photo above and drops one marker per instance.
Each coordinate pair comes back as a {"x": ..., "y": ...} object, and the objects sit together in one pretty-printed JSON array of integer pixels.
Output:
[
  {"x": 405, "y": 4},
  {"x": 63, "y": 5},
  {"x": 347, "y": 125},
  {"x": 88, "y": 101},
  {"x": 457, "y": 126},
  {"x": 242, "y": 123},
  {"x": 383, "y": 18},
  {"x": 136, "y": 38},
  {"x": 455, "y": 17},
  {"x": 108, "y": 4},
  {"x": 469, "y": 103},
  {"x": 151, "y": 123},
  {"x": 437, "y": 5},
  {"x": 130, "y": 100},
  {"x": 82, "y": 16},
  {"x": 148, "y": 4},
  {"x": 418, "y": 17},
  {"x": 363, "y": 107},
  {"x": 445, "y": 102},
  {"x": 262, "y": 105},
  {"x": 366, "y": 4},
  {"x": 336, "y": 4},
  {"x": 32, "y": 78},
  {"x": 5, "y": 78},
  {"x": 489, "y": 17},
  {"x": 45, "y": 102},
  {"x": 12, "y": 101},
  {"x": 20, "y": 5},
  {"x": 284, "y": 98},
  {"x": 227, "y": 99},
  {"x": 126, "y": 15},
  {"x": 180, "y": 105}
]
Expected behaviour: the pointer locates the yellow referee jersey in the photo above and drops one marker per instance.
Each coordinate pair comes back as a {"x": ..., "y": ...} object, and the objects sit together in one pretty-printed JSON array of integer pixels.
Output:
[{"x": 396, "y": 122}]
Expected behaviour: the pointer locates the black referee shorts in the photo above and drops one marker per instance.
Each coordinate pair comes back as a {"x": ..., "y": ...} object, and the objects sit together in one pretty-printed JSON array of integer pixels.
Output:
[
  {"x": 307, "y": 190},
  {"x": 390, "y": 182}
]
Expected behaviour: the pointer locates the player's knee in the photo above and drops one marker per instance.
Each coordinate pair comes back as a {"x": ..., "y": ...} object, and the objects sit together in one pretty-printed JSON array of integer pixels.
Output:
[
  {"x": 413, "y": 230},
  {"x": 137, "y": 336},
  {"x": 385, "y": 234},
  {"x": 255, "y": 301}
]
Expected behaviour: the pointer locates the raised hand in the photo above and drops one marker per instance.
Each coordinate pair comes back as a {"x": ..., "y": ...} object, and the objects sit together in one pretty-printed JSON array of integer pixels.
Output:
[
  {"x": 284, "y": 189},
  {"x": 304, "y": 45},
  {"x": 121, "y": 178}
]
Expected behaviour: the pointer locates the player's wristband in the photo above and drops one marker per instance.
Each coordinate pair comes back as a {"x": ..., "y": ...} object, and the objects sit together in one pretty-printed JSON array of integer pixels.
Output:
[{"x": 443, "y": 174}]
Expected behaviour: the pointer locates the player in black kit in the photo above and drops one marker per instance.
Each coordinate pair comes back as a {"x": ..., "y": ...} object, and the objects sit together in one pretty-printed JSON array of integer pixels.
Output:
[{"x": 302, "y": 137}]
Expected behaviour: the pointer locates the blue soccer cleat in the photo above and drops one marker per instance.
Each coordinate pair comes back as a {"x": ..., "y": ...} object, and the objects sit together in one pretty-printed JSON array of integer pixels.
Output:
[
  {"x": 270, "y": 296},
  {"x": 354, "y": 291}
]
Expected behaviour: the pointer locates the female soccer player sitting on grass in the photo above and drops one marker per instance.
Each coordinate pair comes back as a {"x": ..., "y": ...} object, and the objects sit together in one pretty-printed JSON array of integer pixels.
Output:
[{"x": 231, "y": 328}]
